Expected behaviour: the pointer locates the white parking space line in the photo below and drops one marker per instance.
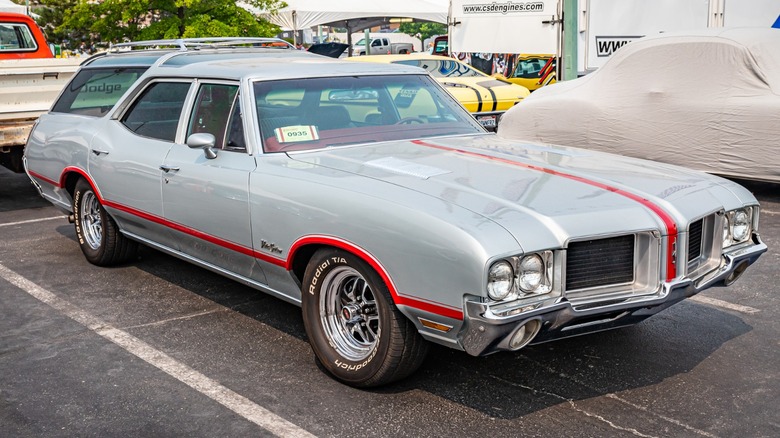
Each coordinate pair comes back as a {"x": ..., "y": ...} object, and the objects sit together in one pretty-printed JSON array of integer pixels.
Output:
[
  {"x": 31, "y": 221},
  {"x": 724, "y": 304},
  {"x": 181, "y": 372}
]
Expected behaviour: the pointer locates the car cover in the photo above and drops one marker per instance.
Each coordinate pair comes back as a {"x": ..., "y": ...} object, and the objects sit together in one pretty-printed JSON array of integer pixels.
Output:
[{"x": 708, "y": 100}]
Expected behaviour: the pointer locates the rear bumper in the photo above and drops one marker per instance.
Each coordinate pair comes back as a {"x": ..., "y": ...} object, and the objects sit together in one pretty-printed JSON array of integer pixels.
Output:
[
  {"x": 485, "y": 332},
  {"x": 15, "y": 133},
  {"x": 488, "y": 119}
]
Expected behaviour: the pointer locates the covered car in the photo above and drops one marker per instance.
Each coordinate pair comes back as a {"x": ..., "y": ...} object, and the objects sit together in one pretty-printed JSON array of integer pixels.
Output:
[
  {"x": 708, "y": 100},
  {"x": 484, "y": 96}
]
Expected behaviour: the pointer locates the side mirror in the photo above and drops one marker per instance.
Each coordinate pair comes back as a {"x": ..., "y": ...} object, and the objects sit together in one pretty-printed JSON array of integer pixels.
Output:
[{"x": 205, "y": 141}]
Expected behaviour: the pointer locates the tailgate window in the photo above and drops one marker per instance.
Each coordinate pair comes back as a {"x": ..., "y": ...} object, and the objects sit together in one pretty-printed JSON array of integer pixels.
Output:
[{"x": 93, "y": 92}]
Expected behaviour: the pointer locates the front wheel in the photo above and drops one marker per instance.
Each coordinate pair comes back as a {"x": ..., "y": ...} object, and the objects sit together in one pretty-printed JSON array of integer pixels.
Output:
[
  {"x": 354, "y": 328},
  {"x": 98, "y": 235}
]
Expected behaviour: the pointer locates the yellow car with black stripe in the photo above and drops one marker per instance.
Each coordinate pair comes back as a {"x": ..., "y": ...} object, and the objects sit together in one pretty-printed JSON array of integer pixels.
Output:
[{"x": 484, "y": 96}]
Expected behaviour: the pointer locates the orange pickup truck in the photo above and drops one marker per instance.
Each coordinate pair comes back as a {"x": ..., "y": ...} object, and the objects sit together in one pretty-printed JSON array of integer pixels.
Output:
[
  {"x": 30, "y": 79},
  {"x": 21, "y": 38}
]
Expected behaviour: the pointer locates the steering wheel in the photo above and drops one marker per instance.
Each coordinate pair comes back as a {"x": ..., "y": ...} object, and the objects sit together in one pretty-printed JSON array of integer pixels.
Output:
[{"x": 409, "y": 121}]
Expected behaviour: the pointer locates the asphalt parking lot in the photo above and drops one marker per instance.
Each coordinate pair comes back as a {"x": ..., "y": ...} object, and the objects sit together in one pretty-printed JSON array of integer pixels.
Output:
[{"x": 161, "y": 348}]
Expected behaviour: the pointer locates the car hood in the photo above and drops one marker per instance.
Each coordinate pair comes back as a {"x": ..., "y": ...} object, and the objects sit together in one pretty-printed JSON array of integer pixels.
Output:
[
  {"x": 473, "y": 90},
  {"x": 538, "y": 192},
  {"x": 332, "y": 50}
]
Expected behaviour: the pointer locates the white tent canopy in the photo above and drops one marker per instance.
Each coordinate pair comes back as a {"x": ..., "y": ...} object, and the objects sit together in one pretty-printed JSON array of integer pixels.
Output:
[
  {"x": 303, "y": 14},
  {"x": 9, "y": 6}
]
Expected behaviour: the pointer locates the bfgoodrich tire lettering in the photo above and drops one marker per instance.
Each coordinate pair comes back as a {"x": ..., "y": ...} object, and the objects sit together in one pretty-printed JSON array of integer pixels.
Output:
[
  {"x": 354, "y": 328},
  {"x": 98, "y": 235}
]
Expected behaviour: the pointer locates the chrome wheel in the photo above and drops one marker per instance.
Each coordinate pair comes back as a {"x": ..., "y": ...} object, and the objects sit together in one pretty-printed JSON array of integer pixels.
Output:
[
  {"x": 349, "y": 313},
  {"x": 91, "y": 223}
]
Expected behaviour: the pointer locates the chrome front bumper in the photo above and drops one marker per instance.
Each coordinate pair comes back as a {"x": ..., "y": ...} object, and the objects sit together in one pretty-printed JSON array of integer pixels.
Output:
[{"x": 485, "y": 332}]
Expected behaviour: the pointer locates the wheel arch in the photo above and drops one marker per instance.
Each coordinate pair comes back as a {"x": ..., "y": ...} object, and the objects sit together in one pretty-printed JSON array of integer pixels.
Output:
[
  {"x": 69, "y": 181},
  {"x": 300, "y": 259},
  {"x": 302, "y": 251},
  {"x": 70, "y": 177}
]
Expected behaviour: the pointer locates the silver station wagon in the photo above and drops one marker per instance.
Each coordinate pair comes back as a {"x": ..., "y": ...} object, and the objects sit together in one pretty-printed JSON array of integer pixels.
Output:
[{"x": 368, "y": 196}]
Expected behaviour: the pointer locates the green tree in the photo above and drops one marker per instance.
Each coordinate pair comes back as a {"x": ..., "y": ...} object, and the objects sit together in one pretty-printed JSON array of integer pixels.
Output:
[
  {"x": 424, "y": 30},
  {"x": 50, "y": 15},
  {"x": 137, "y": 20}
]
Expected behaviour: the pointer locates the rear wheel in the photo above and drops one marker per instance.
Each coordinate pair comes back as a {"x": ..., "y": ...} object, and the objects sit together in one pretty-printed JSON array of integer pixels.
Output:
[
  {"x": 98, "y": 235},
  {"x": 354, "y": 328}
]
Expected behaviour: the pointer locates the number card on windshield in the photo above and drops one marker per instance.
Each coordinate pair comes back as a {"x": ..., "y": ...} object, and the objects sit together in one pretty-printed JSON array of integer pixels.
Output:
[{"x": 292, "y": 134}]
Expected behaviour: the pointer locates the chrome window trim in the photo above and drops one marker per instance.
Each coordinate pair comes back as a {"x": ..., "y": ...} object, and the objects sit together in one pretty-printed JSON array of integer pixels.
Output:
[{"x": 28, "y": 33}]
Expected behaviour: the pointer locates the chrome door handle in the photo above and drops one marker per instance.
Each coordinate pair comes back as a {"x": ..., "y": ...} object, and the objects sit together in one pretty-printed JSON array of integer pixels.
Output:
[
  {"x": 166, "y": 168},
  {"x": 98, "y": 152}
]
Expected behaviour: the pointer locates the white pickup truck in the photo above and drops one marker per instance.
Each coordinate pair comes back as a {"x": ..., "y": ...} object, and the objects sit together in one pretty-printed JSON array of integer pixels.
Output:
[
  {"x": 30, "y": 79},
  {"x": 381, "y": 46}
]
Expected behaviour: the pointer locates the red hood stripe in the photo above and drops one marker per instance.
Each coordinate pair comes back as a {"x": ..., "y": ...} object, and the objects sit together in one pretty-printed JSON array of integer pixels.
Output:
[{"x": 666, "y": 218}]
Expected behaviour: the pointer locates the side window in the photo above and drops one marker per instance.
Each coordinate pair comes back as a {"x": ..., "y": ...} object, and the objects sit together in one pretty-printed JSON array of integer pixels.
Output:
[
  {"x": 376, "y": 43},
  {"x": 235, "y": 140},
  {"x": 93, "y": 92},
  {"x": 155, "y": 113},
  {"x": 16, "y": 37},
  {"x": 212, "y": 110}
]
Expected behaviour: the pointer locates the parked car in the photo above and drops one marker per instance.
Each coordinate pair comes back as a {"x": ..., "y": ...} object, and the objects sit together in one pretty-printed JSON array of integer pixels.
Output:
[
  {"x": 439, "y": 45},
  {"x": 30, "y": 79},
  {"x": 367, "y": 195},
  {"x": 487, "y": 98},
  {"x": 532, "y": 71},
  {"x": 21, "y": 38},
  {"x": 708, "y": 100},
  {"x": 381, "y": 46}
]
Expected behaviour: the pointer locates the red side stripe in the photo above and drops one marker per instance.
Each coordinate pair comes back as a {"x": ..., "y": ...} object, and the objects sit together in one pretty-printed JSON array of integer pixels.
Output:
[
  {"x": 671, "y": 226},
  {"x": 402, "y": 300},
  {"x": 43, "y": 178}
]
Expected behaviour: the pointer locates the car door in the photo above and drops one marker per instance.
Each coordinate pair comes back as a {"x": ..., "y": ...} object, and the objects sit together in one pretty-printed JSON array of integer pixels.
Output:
[
  {"x": 126, "y": 155},
  {"x": 207, "y": 198}
]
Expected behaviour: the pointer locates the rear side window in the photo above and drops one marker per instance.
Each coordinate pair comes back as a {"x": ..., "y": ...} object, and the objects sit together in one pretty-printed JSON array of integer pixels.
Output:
[
  {"x": 156, "y": 112},
  {"x": 93, "y": 92},
  {"x": 16, "y": 37}
]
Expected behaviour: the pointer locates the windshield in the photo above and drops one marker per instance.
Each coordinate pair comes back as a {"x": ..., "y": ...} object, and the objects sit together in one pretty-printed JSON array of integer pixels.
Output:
[
  {"x": 306, "y": 114},
  {"x": 439, "y": 68}
]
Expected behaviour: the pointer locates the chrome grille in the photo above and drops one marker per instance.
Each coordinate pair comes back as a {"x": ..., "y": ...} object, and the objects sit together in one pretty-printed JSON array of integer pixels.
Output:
[
  {"x": 705, "y": 238},
  {"x": 601, "y": 262},
  {"x": 694, "y": 239}
]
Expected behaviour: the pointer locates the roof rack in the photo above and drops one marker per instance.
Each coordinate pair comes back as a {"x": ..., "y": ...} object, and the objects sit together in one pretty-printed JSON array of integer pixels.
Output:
[{"x": 187, "y": 44}]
